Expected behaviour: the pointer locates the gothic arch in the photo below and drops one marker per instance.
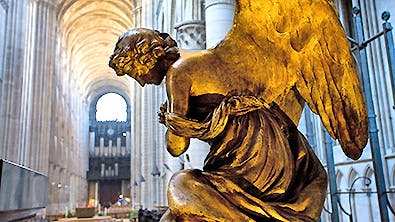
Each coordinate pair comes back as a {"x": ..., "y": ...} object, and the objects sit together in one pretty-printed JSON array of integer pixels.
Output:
[
  {"x": 339, "y": 179},
  {"x": 368, "y": 173},
  {"x": 88, "y": 32},
  {"x": 352, "y": 175},
  {"x": 102, "y": 91},
  {"x": 103, "y": 86}
]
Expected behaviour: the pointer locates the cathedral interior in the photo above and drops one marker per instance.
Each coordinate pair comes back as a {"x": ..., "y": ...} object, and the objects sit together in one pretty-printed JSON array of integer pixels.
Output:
[{"x": 54, "y": 73}]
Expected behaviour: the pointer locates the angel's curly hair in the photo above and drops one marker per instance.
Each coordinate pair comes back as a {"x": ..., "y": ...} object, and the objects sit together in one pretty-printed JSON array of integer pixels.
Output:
[{"x": 144, "y": 49}]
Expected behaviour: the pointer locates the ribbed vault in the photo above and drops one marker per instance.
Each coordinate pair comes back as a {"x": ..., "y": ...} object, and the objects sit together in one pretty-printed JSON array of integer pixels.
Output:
[{"x": 89, "y": 30}]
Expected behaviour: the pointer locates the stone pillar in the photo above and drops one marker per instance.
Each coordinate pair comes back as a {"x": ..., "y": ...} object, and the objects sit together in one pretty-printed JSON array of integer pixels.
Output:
[
  {"x": 191, "y": 33},
  {"x": 147, "y": 12},
  {"x": 10, "y": 96},
  {"x": 148, "y": 144},
  {"x": 3, "y": 25},
  {"x": 219, "y": 20},
  {"x": 72, "y": 194},
  {"x": 136, "y": 160},
  {"x": 128, "y": 143},
  {"x": 42, "y": 62},
  {"x": 51, "y": 176},
  {"x": 119, "y": 152},
  {"x": 54, "y": 180},
  {"x": 165, "y": 174},
  {"x": 111, "y": 152},
  {"x": 92, "y": 143},
  {"x": 137, "y": 14},
  {"x": 25, "y": 112},
  {"x": 101, "y": 147}
]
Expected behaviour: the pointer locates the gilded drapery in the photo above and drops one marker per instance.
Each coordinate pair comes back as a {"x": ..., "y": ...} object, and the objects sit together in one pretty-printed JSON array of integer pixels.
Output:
[{"x": 258, "y": 163}]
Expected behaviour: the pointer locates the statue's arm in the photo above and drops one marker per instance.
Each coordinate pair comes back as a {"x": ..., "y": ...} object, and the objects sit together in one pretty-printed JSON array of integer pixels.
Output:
[{"x": 178, "y": 88}]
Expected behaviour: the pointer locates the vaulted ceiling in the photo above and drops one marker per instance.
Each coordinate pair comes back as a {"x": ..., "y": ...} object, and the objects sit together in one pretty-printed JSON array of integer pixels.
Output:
[{"x": 89, "y": 30}]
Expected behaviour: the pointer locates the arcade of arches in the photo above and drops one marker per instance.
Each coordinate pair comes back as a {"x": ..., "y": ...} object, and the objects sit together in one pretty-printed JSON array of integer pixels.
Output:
[{"x": 54, "y": 69}]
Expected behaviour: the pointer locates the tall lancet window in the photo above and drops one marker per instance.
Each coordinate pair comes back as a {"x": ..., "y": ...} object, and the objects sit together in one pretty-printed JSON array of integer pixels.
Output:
[{"x": 111, "y": 107}]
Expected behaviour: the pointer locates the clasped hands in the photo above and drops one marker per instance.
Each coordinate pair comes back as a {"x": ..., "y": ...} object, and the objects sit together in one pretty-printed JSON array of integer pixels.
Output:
[{"x": 161, "y": 113}]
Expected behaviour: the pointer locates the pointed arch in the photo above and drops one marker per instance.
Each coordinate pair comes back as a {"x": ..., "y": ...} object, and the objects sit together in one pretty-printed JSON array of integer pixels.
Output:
[
  {"x": 339, "y": 179},
  {"x": 352, "y": 175},
  {"x": 94, "y": 97},
  {"x": 111, "y": 107},
  {"x": 368, "y": 172},
  {"x": 88, "y": 31}
]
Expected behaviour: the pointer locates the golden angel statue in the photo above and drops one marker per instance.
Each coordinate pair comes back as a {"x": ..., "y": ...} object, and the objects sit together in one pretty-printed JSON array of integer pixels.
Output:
[{"x": 244, "y": 97}]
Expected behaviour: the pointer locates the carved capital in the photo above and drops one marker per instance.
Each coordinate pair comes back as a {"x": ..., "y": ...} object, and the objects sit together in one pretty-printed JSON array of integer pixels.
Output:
[
  {"x": 209, "y": 3},
  {"x": 191, "y": 35},
  {"x": 137, "y": 10},
  {"x": 45, "y": 3}
]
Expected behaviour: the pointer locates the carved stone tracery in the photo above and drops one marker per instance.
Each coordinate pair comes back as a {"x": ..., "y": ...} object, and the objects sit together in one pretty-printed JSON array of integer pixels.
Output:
[{"x": 191, "y": 35}]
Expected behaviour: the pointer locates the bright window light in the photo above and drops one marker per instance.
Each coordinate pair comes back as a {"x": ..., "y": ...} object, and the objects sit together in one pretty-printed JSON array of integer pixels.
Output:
[{"x": 111, "y": 107}]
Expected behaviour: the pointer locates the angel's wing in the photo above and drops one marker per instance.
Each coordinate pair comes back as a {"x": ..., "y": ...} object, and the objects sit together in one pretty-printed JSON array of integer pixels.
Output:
[{"x": 300, "y": 44}]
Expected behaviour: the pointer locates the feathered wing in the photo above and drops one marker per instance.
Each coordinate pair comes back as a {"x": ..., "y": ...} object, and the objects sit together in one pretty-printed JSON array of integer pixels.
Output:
[{"x": 300, "y": 44}]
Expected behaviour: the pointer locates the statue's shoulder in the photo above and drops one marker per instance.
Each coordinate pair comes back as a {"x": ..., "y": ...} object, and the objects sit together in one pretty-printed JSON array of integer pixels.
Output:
[
  {"x": 192, "y": 60},
  {"x": 179, "y": 72}
]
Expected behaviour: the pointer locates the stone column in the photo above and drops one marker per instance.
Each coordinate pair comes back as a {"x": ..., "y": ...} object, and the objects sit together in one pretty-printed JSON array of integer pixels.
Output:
[
  {"x": 147, "y": 14},
  {"x": 136, "y": 161},
  {"x": 111, "y": 152},
  {"x": 148, "y": 109},
  {"x": 191, "y": 33},
  {"x": 10, "y": 96},
  {"x": 101, "y": 147},
  {"x": 51, "y": 176},
  {"x": 137, "y": 14},
  {"x": 3, "y": 25},
  {"x": 219, "y": 20},
  {"x": 119, "y": 151},
  {"x": 135, "y": 145},
  {"x": 54, "y": 198},
  {"x": 161, "y": 150},
  {"x": 92, "y": 143},
  {"x": 38, "y": 92},
  {"x": 368, "y": 192},
  {"x": 128, "y": 143}
]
